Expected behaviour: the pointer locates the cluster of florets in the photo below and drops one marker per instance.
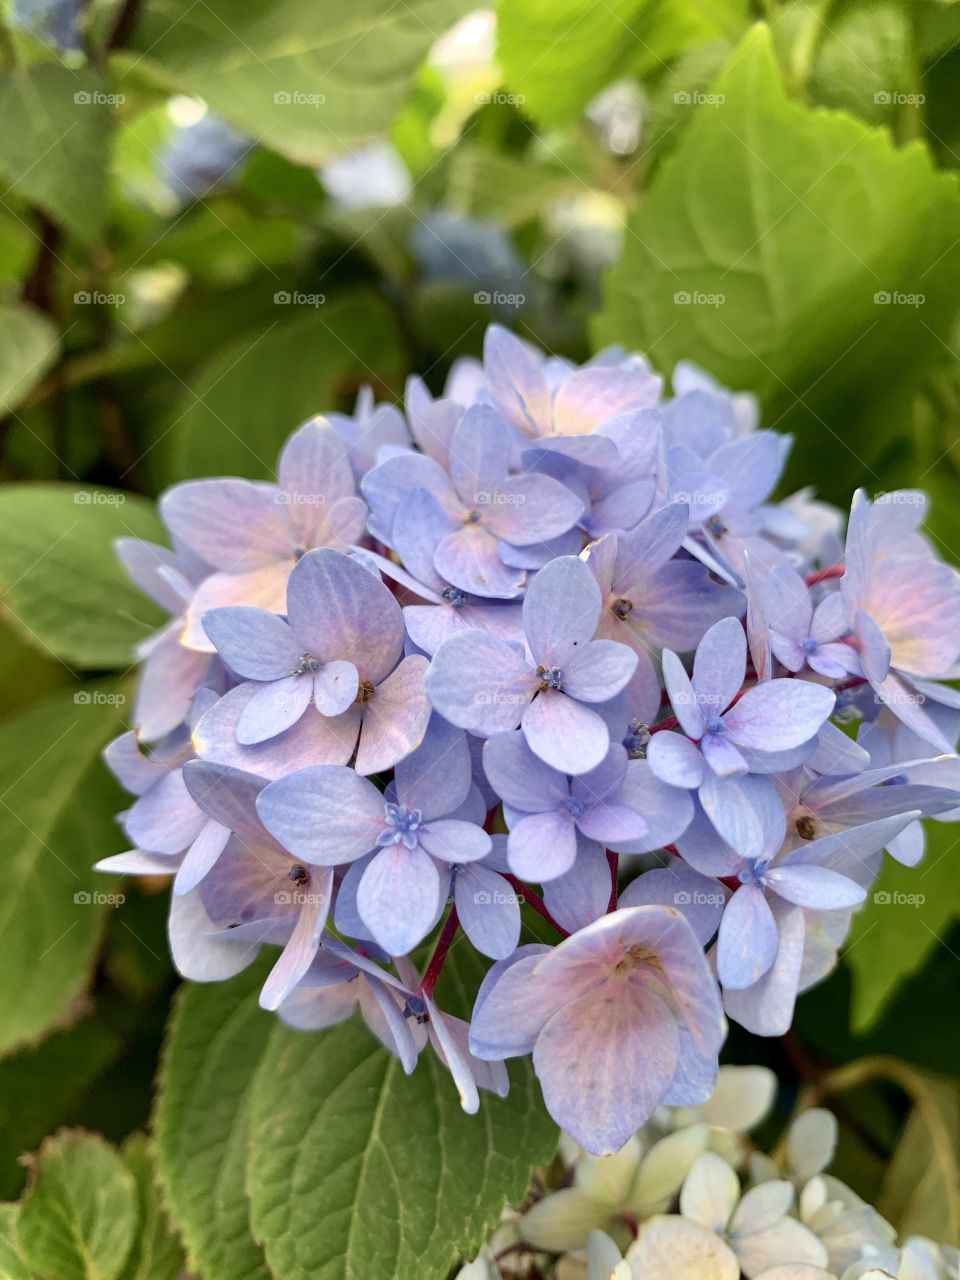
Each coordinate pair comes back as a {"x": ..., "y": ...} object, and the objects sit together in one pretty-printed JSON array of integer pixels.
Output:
[
  {"x": 432, "y": 673},
  {"x": 690, "y": 1197}
]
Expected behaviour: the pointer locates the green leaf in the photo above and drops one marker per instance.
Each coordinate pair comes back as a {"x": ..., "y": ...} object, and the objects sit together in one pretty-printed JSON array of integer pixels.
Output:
[
  {"x": 215, "y": 1041},
  {"x": 764, "y": 250},
  {"x": 29, "y": 349},
  {"x": 156, "y": 1253},
  {"x": 558, "y": 54},
  {"x": 484, "y": 184},
  {"x": 921, "y": 1190},
  {"x": 77, "y": 1220},
  {"x": 907, "y": 914},
  {"x": 56, "y": 820},
  {"x": 13, "y": 1265},
  {"x": 64, "y": 587},
  {"x": 310, "y": 80},
  {"x": 245, "y": 402},
  {"x": 55, "y": 143},
  {"x": 357, "y": 1170}
]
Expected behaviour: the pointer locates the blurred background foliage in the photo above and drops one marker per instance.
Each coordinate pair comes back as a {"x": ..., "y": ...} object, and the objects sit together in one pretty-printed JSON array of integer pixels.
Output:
[{"x": 217, "y": 218}]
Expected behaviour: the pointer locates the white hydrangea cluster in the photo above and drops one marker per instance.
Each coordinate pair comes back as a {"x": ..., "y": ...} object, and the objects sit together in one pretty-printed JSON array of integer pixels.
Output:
[{"x": 690, "y": 1198}]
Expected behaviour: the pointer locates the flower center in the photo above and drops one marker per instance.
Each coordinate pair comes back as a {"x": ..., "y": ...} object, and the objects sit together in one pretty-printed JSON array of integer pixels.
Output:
[
  {"x": 715, "y": 724},
  {"x": 299, "y": 874},
  {"x": 637, "y": 739},
  {"x": 306, "y": 663},
  {"x": 622, "y": 607},
  {"x": 365, "y": 691},
  {"x": 454, "y": 597},
  {"x": 549, "y": 678},
  {"x": 806, "y": 826},
  {"x": 402, "y": 826},
  {"x": 575, "y": 808},
  {"x": 809, "y": 645}
]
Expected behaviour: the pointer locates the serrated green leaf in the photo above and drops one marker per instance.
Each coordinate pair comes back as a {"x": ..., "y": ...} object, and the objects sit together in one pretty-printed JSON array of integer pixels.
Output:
[
  {"x": 56, "y": 820},
  {"x": 78, "y": 1218},
  {"x": 63, "y": 586},
  {"x": 156, "y": 1252},
  {"x": 906, "y": 915},
  {"x": 358, "y": 1171},
  {"x": 310, "y": 80},
  {"x": 55, "y": 143},
  {"x": 13, "y": 1265},
  {"x": 29, "y": 348},
  {"x": 764, "y": 252},
  {"x": 244, "y": 403},
  {"x": 215, "y": 1041}
]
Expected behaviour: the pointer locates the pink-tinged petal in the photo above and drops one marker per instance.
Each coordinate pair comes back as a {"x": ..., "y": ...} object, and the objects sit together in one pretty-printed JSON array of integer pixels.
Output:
[
  {"x": 395, "y": 717},
  {"x": 344, "y": 524},
  {"x": 314, "y": 739},
  {"x": 786, "y": 603},
  {"x": 325, "y": 815},
  {"x": 479, "y": 454},
  {"x": 779, "y": 714},
  {"x": 433, "y": 422},
  {"x": 146, "y": 563},
  {"x": 915, "y": 601},
  {"x": 165, "y": 819},
  {"x": 313, "y": 473},
  {"x": 719, "y": 665},
  {"x": 649, "y": 546},
  {"x": 264, "y": 588},
  {"x": 480, "y": 683},
  {"x": 202, "y": 856},
  {"x": 600, "y": 557},
  {"x": 470, "y": 559},
  {"x": 561, "y": 610},
  {"x": 489, "y": 911},
  {"x": 398, "y": 898},
  {"x": 227, "y": 795},
  {"x": 298, "y": 954},
  {"x": 589, "y": 395},
  {"x": 873, "y": 648},
  {"x": 669, "y": 1247},
  {"x": 335, "y": 687},
  {"x": 511, "y": 1007},
  {"x": 520, "y": 778},
  {"x": 454, "y": 1055},
  {"x": 588, "y": 451},
  {"x": 250, "y": 881},
  {"x": 317, "y": 1008},
  {"x": 748, "y": 940},
  {"x": 722, "y": 756},
  {"x": 382, "y": 1011},
  {"x": 666, "y": 809},
  {"x": 699, "y": 899},
  {"x": 582, "y": 894},
  {"x": 598, "y": 670},
  {"x": 254, "y": 643},
  {"x": 812, "y": 886},
  {"x": 386, "y": 487},
  {"x": 680, "y": 602},
  {"x": 675, "y": 759},
  {"x": 273, "y": 708},
  {"x": 339, "y": 609},
  {"x": 766, "y": 1008},
  {"x": 683, "y": 696},
  {"x": 234, "y": 525},
  {"x": 454, "y": 841},
  {"x": 531, "y": 509},
  {"x": 566, "y": 734},
  {"x": 169, "y": 678},
  {"x": 437, "y": 777},
  {"x": 516, "y": 382},
  {"x": 197, "y": 954},
  {"x": 419, "y": 527},
  {"x": 604, "y": 1062},
  {"x": 542, "y": 846}
]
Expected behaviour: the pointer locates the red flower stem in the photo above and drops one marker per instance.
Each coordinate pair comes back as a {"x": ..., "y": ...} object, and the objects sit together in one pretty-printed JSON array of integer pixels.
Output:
[
  {"x": 526, "y": 894},
  {"x": 823, "y": 575},
  {"x": 613, "y": 862},
  {"x": 447, "y": 934}
]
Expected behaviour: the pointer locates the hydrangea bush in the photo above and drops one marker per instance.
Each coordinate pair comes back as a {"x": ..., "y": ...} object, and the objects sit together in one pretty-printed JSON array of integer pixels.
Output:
[
  {"x": 692, "y": 1197},
  {"x": 543, "y": 646}
]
